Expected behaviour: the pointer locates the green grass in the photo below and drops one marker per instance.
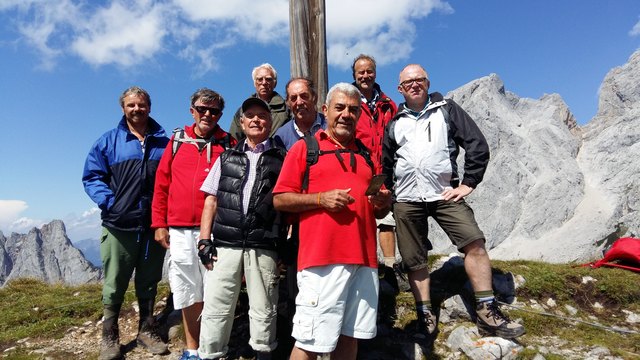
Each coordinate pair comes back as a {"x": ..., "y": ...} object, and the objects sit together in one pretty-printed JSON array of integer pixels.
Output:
[{"x": 31, "y": 308}]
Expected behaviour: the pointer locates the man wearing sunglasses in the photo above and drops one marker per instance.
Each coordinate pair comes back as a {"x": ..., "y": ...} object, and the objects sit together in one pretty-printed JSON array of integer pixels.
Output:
[
  {"x": 265, "y": 79},
  {"x": 421, "y": 145},
  {"x": 178, "y": 203}
]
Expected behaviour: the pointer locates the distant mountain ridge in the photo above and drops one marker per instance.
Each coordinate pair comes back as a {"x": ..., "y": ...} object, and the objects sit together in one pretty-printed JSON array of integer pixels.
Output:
[{"x": 45, "y": 254}]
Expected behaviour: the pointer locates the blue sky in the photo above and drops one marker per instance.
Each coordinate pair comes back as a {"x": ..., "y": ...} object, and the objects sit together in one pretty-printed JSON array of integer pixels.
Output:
[{"x": 65, "y": 62}]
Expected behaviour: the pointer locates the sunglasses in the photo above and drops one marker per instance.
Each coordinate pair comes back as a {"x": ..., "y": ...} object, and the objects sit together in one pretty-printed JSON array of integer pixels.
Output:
[{"x": 203, "y": 110}]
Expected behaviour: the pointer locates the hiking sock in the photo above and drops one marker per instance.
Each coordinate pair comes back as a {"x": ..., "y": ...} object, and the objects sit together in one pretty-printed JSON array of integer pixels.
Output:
[
  {"x": 484, "y": 296},
  {"x": 389, "y": 261},
  {"x": 423, "y": 307},
  {"x": 191, "y": 352}
]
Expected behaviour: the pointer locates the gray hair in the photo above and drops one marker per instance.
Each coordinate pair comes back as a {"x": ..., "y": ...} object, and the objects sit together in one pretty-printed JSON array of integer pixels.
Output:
[
  {"x": 348, "y": 89},
  {"x": 206, "y": 96},
  {"x": 265, "y": 66},
  {"x": 135, "y": 90}
]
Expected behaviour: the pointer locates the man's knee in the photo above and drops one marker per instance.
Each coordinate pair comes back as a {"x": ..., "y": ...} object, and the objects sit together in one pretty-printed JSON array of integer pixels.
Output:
[{"x": 475, "y": 248}]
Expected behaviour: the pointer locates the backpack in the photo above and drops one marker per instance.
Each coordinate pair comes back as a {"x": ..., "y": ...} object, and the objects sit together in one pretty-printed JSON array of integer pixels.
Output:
[
  {"x": 624, "y": 254},
  {"x": 314, "y": 152},
  {"x": 179, "y": 137}
]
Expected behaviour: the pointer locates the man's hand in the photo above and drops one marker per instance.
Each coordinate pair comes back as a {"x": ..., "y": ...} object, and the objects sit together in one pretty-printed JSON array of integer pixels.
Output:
[
  {"x": 335, "y": 200},
  {"x": 381, "y": 202},
  {"x": 207, "y": 253},
  {"x": 161, "y": 235},
  {"x": 457, "y": 193}
]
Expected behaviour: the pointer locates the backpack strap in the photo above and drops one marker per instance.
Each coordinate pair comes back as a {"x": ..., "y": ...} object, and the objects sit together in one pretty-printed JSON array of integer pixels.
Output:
[
  {"x": 178, "y": 136},
  {"x": 313, "y": 151}
]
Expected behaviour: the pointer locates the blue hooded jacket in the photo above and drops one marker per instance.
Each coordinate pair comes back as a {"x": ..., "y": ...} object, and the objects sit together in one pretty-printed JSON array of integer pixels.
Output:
[{"x": 119, "y": 175}]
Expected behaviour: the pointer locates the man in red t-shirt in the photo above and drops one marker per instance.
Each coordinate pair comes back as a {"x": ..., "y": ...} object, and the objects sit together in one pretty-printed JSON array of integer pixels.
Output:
[{"x": 337, "y": 262}]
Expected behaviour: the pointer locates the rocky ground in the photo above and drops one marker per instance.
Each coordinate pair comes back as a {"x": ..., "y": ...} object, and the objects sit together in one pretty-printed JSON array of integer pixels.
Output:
[{"x": 397, "y": 338}]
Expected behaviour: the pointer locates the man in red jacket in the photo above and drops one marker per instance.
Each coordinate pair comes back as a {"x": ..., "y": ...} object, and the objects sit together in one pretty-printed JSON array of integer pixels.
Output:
[
  {"x": 178, "y": 202},
  {"x": 377, "y": 110}
]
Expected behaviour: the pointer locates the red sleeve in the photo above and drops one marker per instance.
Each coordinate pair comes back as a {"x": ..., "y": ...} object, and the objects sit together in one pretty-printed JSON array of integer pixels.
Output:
[
  {"x": 161, "y": 189},
  {"x": 295, "y": 163}
]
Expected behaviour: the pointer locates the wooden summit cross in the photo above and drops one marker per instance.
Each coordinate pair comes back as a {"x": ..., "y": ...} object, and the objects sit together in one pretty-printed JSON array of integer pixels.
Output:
[{"x": 308, "y": 50}]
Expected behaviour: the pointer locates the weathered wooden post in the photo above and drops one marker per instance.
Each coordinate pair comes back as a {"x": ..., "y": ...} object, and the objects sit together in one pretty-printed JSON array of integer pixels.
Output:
[{"x": 308, "y": 48}]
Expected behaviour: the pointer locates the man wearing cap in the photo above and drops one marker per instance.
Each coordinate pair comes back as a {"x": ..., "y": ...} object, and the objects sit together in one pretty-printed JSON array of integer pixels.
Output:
[{"x": 246, "y": 229}]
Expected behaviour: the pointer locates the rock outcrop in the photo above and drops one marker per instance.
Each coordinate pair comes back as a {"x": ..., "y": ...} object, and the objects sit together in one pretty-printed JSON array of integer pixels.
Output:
[
  {"x": 45, "y": 254},
  {"x": 555, "y": 191}
]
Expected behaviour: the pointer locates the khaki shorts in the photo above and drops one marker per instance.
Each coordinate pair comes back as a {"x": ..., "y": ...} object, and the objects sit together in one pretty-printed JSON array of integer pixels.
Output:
[{"x": 455, "y": 218}]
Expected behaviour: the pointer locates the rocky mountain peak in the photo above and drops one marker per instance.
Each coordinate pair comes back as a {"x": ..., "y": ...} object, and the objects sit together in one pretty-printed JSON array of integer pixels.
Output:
[{"x": 46, "y": 254}]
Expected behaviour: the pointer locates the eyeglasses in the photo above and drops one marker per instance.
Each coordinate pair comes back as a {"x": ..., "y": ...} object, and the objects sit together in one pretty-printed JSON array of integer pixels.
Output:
[
  {"x": 203, "y": 110},
  {"x": 264, "y": 79},
  {"x": 409, "y": 83}
]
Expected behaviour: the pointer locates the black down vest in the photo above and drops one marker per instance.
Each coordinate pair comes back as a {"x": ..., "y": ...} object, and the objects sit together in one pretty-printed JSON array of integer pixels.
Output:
[{"x": 261, "y": 227}]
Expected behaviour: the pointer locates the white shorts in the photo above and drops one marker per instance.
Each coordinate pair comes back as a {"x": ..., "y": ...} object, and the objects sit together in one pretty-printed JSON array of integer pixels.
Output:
[
  {"x": 388, "y": 220},
  {"x": 186, "y": 272},
  {"x": 335, "y": 300}
]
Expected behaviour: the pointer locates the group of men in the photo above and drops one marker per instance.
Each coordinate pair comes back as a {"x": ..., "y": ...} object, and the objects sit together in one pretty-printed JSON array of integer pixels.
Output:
[{"x": 227, "y": 206}]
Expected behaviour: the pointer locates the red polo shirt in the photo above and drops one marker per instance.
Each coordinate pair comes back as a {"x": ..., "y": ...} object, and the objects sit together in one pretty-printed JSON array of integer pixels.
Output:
[{"x": 344, "y": 237}]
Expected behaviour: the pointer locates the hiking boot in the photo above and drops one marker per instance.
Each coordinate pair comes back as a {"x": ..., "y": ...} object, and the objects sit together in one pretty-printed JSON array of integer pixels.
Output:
[
  {"x": 401, "y": 278},
  {"x": 149, "y": 339},
  {"x": 427, "y": 325},
  {"x": 491, "y": 321},
  {"x": 110, "y": 345}
]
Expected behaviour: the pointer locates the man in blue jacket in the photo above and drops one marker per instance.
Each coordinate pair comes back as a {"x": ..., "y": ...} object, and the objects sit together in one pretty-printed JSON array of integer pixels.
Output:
[{"x": 119, "y": 176}]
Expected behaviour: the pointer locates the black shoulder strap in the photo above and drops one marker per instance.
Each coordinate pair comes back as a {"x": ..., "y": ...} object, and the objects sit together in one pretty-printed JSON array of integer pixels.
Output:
[
  {"x": 364, "y": 152},
  {"x": 313, "y": 151}
]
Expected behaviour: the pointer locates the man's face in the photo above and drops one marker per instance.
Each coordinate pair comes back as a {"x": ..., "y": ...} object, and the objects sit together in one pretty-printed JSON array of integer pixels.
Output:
[
  {"x": 206, "y": 116},
  {"x": 136, "y": 109},
  {"x": 301, "y": 101},
  {"x": 342, "y": 115},
  {"x": 414, "y": 85},
  {"x": 364, "y": 74},
  {"x": 256, "y": 123},
  {"x": 264, "y": 83}
]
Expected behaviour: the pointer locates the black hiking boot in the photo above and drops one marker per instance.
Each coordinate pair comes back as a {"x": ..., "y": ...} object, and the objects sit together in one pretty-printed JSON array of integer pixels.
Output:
[
  {"x": 492, "y": 322},
  {"x": 427, "y": 326}
]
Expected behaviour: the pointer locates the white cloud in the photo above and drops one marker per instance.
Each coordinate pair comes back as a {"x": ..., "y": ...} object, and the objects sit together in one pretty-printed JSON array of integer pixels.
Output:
[
  {"x": 86, "y": 226},
  {"x": 10, "y": 211},
  {"x": 128, "y": 33},
  {"x": 10, "y": 219},
  {"x": 636, "y": 29}
]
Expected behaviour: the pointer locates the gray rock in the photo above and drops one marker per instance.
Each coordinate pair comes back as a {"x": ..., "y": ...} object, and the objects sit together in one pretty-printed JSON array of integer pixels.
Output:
[
  {"x": 554, "y": 191},
  {"x": 464, "y": 338},
  {"x": 45, "y": 254}
]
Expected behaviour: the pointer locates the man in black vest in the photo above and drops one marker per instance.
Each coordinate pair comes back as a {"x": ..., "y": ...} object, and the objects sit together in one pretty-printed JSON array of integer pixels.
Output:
[{"x": 245, "y": 233}]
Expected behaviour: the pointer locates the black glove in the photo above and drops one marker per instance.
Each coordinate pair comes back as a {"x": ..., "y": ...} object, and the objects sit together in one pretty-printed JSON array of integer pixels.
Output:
[{"x": 206, "y": 251}]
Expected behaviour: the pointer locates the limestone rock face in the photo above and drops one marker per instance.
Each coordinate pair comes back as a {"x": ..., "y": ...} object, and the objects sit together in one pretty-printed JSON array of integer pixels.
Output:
[
  {"x": 45, "y": 254},
  {"x": 554, "y": 191}
]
